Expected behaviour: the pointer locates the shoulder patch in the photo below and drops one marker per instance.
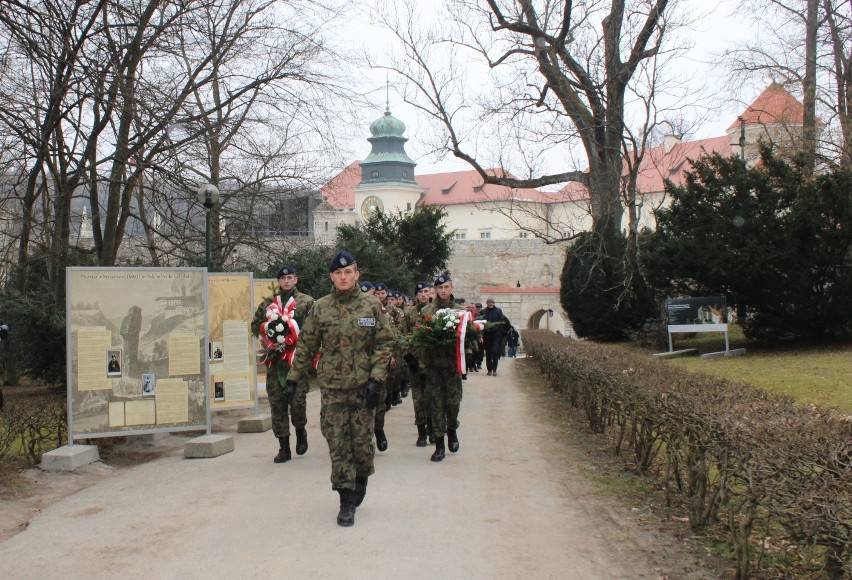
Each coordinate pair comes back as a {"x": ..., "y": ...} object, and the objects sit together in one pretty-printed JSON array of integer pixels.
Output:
[{"x": 365, "y": 321}]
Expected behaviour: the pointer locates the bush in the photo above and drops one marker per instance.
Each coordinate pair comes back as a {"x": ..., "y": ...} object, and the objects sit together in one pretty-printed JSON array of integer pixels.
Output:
[
  {"x": 36, "y": 335},
  {"x": 776, "y": 244},
  {"x": 30, "y": 425},
  {"x": 756, "y": 463}
]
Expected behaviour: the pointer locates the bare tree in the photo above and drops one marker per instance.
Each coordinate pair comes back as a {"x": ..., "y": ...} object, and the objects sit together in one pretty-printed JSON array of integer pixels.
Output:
[
  {"x": 109, "y": 78},
  {"x": 806, "y": 45},
  {"x": 562, "y": 72}
]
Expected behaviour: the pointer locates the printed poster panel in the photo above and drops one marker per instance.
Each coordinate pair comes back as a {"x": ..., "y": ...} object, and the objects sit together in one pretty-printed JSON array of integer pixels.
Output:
[
  {"x": 135, "y": 343},
  {"x": 706, "y": 314},
  {"x": 264, "y": 288},
  {"x": 231, "y": 350}
]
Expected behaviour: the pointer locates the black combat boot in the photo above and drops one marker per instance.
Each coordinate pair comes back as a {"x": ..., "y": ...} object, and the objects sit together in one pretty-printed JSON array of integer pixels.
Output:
[
  {"x": 284, "y": 451},
  {"x": 360, "y": 490},
  {"x": 346, "y": 515},
  {"x": 439, "y": 449},
  {"x": 452, "y": 440},
  {"x": 406, "y": 386},
  {"x": 421, "y": 435},
  {"x": 396, "y": 399},
  {"x": 381, "y": 440},
  {"x": 301, "y": 441}
]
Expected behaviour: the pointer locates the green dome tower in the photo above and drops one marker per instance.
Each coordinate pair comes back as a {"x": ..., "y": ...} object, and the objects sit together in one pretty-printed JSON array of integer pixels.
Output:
[{"x": 388, "y": 161}]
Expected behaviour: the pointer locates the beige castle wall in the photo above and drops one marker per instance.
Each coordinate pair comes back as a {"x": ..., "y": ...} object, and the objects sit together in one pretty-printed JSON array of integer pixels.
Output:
[{"x": 477, "y": 265}]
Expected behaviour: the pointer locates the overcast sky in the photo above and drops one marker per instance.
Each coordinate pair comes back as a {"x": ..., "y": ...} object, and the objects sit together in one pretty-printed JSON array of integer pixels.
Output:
[{"x": 717, "y": 30}]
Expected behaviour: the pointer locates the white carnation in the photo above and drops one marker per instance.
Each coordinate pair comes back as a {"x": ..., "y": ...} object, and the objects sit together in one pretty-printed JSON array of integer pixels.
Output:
[
  {"x": 280, "y": 339},
  {"x": 279, "y": 327}
]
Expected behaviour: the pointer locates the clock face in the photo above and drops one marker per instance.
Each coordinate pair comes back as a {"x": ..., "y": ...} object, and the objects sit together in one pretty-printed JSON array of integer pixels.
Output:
[{"x": 370, "y": 206}]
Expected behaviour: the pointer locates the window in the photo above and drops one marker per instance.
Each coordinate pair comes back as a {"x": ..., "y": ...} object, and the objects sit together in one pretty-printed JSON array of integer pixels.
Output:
[
  {"x": 326, "y": 226},
  {"x": 460, "y": 235},
  {"x": 484, "y": 235},
  {"x": 374, "y": 173},
  {"x": 477, "y": 188},
  {"x": 405, "y": 175},
  {"x": 524, "y": 235},
  {"x": 408, "y": 206}
]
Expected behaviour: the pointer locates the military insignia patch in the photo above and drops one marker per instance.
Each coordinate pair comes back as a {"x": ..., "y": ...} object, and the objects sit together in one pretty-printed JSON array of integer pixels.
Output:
[{"x": 366, "y": 322}]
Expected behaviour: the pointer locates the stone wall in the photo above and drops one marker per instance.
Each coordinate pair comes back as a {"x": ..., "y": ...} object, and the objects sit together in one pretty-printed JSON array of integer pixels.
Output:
[
  {"x": 480, "y": 263},
  {"x": 477, "y": 265}
]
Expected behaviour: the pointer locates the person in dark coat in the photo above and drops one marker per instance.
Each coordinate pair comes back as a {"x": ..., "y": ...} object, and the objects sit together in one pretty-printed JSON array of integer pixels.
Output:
[{"x": 496, "y": 326}]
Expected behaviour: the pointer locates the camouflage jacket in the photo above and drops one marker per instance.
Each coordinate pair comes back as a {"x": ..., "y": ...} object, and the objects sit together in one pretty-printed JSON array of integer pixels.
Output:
[
  {"x": 397, "y": 318},
  {"x": 413, "y": 315},
  {"x": 442, "y": 357},
  {"x": 356, "y": 339}
]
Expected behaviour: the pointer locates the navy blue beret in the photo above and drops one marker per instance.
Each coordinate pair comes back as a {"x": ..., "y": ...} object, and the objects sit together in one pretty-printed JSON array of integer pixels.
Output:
[
  {"x": 341, "y": 260},
  {"x": 420, "y": 286},
  {"x": 365, "y": 286},
  {"x": 443, "y": 279},
  {"x": 381, "y": 286},
  {"x": 286, "y": 271}
]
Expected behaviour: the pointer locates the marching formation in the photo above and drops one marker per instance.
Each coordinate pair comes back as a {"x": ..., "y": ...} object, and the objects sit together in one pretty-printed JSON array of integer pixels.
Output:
[{"x": 368, "y": 347}]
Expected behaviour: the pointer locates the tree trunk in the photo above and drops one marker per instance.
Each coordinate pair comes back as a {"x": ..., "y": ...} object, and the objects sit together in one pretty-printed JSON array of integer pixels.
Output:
[{"x": 809, "y": 89}]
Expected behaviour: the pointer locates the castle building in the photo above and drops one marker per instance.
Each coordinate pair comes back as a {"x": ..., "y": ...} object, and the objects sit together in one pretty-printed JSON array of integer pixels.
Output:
[{"x": 495, "y": 252}]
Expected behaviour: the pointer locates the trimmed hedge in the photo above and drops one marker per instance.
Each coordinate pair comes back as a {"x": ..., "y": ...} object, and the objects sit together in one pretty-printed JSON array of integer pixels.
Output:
[
  {"x": 31, "y": 425},
  {"x": 735, "y": 454}
]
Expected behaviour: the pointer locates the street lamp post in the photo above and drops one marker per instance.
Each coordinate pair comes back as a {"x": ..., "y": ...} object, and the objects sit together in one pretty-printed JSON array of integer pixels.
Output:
[{"x": 208, "y": 196}]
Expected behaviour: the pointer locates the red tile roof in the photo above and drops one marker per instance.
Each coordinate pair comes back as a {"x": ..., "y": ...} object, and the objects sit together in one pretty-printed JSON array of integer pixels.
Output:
[
  {"x": 460, "y": 187},
  {"x": 338, "y": 191},
  {"x": 456, "y": 187},
  {"x": 773, "y": 105},
  {"x": 657, "y": 165}
]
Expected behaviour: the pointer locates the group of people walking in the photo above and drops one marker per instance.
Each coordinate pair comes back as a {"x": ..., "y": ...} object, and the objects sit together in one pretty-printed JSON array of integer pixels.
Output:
[{"x": 351, "y": 340}]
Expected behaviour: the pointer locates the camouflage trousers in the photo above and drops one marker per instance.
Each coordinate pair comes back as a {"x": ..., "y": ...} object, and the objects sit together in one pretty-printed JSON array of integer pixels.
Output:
[
  {"x": 382, "y": 408},
  {"x": 418, "y": 396},
  {"x": 444, "y": 392},
  {"x": 347, "y": 425},
  {"x": 281, "y": 415}
]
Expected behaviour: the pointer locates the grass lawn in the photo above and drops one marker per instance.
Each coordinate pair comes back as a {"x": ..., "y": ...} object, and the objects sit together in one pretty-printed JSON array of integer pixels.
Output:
[{"x": 811, "y": 374}]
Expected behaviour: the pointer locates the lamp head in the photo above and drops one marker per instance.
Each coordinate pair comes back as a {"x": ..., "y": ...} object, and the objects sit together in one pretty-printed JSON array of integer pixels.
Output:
[{"x": 208, "y": 195}]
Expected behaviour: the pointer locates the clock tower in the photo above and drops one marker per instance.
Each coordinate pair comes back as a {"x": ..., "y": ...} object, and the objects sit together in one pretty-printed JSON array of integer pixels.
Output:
[{"x": 387, "y": 174}]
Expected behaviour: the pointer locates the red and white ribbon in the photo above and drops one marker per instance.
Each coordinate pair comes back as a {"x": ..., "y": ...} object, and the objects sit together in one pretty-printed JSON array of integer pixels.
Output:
[
  {"x": 274, "y": 311},
  {"x": 461, "y": 331}
]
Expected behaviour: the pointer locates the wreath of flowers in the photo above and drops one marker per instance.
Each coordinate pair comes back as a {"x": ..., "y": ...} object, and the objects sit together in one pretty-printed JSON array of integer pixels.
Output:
[
  {"x": 279, "y": 332},
  {"x": 446, "y": 328},
  {"x": 436, "y": 330}
]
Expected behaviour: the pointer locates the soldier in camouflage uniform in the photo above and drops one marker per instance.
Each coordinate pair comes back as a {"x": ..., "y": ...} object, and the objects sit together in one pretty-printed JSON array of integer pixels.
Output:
[
  {"x": 444, "y": 382},
  {"x": 279, "y": 399},
  {"x": 357, "y": 341},
  {"x": 399, "y": 370},
  {"x": 392, "y": 382},
  {"x": 416, "y": 370}
]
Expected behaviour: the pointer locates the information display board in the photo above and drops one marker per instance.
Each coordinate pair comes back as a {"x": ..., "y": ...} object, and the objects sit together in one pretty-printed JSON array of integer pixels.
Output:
[
  {"x": 136, "y": 351},
  {"x": 700, "y": 314},
  {"x": 231, "y": 350},
  {"x": 264, "y": 288},
  {"x": 704, "y": 314}
]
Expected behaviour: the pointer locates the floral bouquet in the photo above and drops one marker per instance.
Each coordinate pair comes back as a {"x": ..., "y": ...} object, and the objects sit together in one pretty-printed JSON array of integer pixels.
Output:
[
  {"x": 446, "y": 328},
  {"x": 279, "y": 333}
]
